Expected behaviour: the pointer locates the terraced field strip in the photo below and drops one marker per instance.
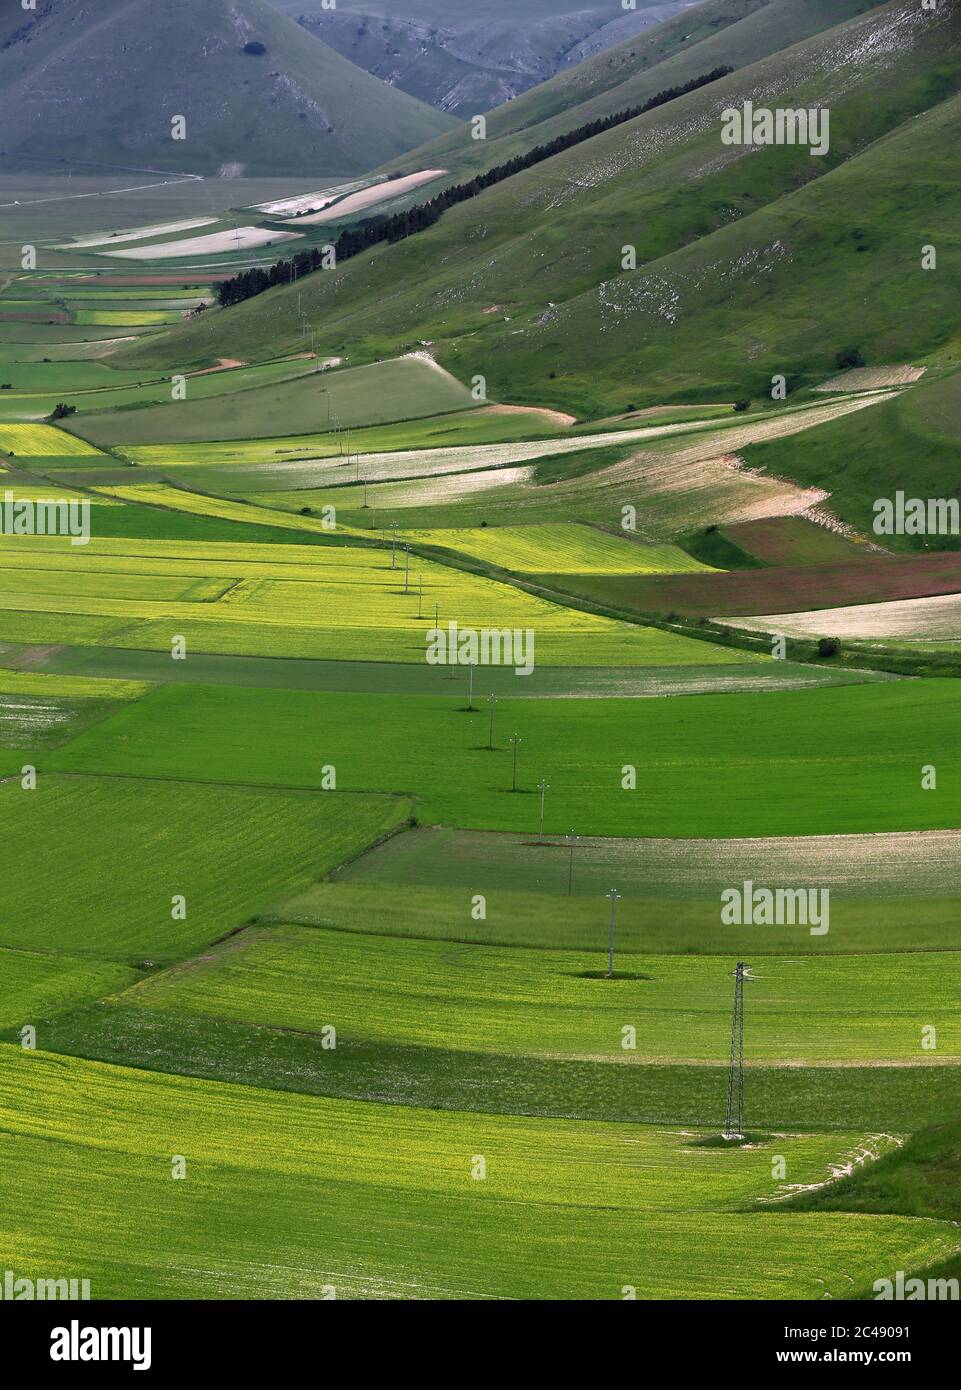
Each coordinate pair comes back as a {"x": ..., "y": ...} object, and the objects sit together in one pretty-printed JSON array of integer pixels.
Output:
[
  {"x": 408, "y": 463},
  {"x": 346, "y": 602},
  {"x": 780, "y": 590},
  {"x": 682, "y": 463},
  {"x": 254, "y": 845},
  {"x": 126, "y": 318},
  {"x": 666, "y": 921},
  {"x": 408, "y": 678},
  {"x": 200, "y": 504},
  {"x": 29, "y": 682},
  {"x": 21, "y": 490},
  {"x": 384, "y": 192},
  {"x": 95, "y": 393},
  {"x": 209, "y": 244},
  {"x": 910, "y": 620},
  {"x": 478, "y": 425},
  {"x": 43, "y": 441},
  {"x": 379, "y": 1201},
  {"x": 400, "y": 388},
  {"x": 793, "y": 540},
  {"x": 138, "y": 233},
  {"x": 698, "y": 773},
  {"x": 565, "y": 547},
  {"x": 908, "y": 864},
  {"x": 558, "y": 1004},
  {"x": 872, "y": 378}
]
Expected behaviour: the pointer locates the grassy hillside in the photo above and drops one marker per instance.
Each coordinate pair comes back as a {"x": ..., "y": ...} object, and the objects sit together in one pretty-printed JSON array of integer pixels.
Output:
[
  {"x": 295, "y": 107},
  {"x": 523, "y": 284},
  {"x": 733, "y": 33}
]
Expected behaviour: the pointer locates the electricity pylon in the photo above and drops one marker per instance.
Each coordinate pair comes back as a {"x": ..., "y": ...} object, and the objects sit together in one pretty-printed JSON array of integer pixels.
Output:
[{"x": 734, "y": 1129}]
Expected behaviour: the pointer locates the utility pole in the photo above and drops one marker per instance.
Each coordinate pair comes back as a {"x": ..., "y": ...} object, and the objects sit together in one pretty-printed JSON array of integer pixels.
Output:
[
  {"x": 515, "y": 740},
  {"x": 571, "y": 841},
  {"x": 420, "y": 596},
  {"x": 543, "y": 787},
  {"x": 407, "y": 567},
  {"x": 734, "y": 1128},
  {"x": 492, "y": 701},
  {"x": 613, "y": 894},
  {"x": 470, "y": 686},
  {"x": 393, "y": 545}
]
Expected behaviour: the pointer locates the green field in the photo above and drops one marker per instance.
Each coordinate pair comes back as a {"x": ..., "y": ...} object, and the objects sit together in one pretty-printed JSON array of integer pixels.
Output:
[
  {"x": 901, "y": 866},
  {"x": 578, "y": 549},
  {"x": 372, "y": 395},
  {"x": 654, "y": 921},
  {"x": 43, "y": 442},
  {"x": 697, "y": 775},
  {"x": 558, "y": 1005},
  {"x": 327, "y": 602},
  {"x": 406, "y": 678},
  {"x": 378, "y": 1201},
  {"x": 34, "y": 984},
  {"x": 255, "y": 844},
  {"x": 90, "y": 386}
]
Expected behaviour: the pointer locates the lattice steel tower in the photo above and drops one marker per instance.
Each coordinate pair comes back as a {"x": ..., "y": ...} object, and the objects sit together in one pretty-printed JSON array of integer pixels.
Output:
[{"x": 734, "y": 1129}]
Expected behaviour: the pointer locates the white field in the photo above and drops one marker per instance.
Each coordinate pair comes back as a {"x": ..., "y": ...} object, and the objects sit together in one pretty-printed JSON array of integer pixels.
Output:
[
  {"x": 309, "y": 202},
  {"x": 872, "y": 378},
  {"x": 159, "y": 229},
  {"x": 920, "y": 619},
  {"x": 376, "y": 193},
  {"x": 237, "y": 239},
  {"x": 886, "y": 864}
]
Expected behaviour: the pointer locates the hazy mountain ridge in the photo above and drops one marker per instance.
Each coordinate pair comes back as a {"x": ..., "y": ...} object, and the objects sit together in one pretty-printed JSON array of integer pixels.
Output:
[
  {"x": 257, "y": 93},
  {"x": 469, "y": 60}
]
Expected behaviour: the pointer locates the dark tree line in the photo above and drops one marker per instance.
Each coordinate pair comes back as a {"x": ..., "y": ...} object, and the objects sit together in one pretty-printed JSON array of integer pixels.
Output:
[{"x": 374, "y": 230}]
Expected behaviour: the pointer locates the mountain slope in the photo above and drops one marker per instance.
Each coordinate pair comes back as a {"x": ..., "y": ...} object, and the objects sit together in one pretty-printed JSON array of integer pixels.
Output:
[
  {"x": 295, "y": 107},
  {"x": 717, "y": 33},
  {"x": 750, "y": 261},
  {"x": 467, "y": 59}
]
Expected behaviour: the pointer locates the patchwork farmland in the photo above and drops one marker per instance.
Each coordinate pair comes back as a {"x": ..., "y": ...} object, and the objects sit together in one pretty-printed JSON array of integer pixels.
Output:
[{"x": 480, "y": 792}]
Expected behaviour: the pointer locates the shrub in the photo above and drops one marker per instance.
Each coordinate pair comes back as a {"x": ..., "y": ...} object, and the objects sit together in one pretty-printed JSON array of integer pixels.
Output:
[{"x": 828, "y": 646}]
